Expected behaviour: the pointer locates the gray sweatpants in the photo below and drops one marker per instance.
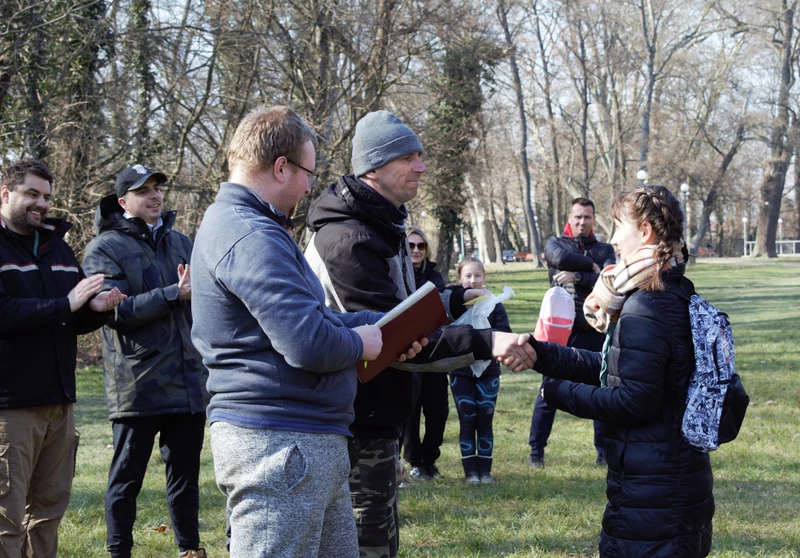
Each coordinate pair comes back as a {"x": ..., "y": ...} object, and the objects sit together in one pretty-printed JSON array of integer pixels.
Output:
[{"x": 287, "y": 492}]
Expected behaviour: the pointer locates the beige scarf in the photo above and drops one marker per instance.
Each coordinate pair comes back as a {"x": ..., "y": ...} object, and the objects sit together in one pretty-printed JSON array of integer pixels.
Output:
[{"x": 603, "y": 305}]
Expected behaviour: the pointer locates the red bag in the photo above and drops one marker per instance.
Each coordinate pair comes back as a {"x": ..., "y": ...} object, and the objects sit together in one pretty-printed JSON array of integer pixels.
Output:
[{"x": 556, "y": 316}]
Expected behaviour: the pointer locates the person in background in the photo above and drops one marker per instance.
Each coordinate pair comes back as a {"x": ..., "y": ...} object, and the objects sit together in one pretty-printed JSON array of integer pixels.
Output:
[
  {"x": 475, "y": 397},
  {"x": 46, "y": 301},
  {"x": 155, "y": 379},
  {"x": 574, "y": 261},
  {"x": 659, "y": 489},
  {"x": 432, "y": 401}
]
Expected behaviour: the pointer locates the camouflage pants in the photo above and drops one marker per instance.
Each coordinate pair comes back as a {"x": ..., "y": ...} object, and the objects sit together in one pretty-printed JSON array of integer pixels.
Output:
[{"x": 373, "y": 491}]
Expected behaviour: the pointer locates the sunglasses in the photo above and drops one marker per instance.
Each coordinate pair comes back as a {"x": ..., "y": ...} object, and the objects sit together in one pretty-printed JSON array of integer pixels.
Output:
[{"x": 421, "y": 246}]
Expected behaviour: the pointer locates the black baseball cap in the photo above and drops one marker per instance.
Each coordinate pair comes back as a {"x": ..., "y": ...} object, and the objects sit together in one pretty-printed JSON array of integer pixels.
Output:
[
  {"x": 129, "y": 179},
  {"x": 134, "y": 177}
]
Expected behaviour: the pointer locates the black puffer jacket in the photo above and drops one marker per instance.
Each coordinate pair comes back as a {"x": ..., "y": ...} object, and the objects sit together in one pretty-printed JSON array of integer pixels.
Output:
[
  {"x": 660, "y": 501},
  {"x": 360, "y": 253},
  {"x": 427, "y": 272}
]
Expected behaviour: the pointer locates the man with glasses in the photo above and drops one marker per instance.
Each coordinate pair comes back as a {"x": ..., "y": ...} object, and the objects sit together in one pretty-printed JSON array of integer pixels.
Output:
[
  {"x": 359, "y": 251},
  {"x": 281, "y": 364}
]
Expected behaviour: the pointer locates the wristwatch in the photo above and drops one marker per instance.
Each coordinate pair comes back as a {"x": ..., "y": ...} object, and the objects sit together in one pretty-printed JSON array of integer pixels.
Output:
[{"x": 577, "y": 275}]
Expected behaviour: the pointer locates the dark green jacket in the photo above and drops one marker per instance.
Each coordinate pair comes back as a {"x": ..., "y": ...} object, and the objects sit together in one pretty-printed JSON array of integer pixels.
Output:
[{"x": 151, "y": 366}]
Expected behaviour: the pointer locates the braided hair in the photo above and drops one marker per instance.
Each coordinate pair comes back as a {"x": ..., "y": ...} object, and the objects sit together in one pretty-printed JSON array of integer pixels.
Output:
[{"x": 659, "y": 207}]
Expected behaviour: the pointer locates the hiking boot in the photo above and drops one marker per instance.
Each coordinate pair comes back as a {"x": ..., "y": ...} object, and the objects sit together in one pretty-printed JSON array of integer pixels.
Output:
[
  {"x": 536, "y": 461},
  {"x": 487, "y": 478},
  {"x": 473, "y": 478},
  {"x": 433, "y": 471},
  {"x": 419, "y": 473},
  {"x": 199, "y": 553}
]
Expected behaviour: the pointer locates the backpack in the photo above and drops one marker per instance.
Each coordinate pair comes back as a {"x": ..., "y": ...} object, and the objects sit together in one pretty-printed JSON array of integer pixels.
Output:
[
  {"x": 556, "y": 316},
  {"x": 716, "y": 401}
]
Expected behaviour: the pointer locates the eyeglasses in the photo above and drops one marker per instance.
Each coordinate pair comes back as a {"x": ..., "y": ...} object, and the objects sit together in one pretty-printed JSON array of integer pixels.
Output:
[
  {"x": 312, "y": 176},
  {"x": 421, "y": 246}
]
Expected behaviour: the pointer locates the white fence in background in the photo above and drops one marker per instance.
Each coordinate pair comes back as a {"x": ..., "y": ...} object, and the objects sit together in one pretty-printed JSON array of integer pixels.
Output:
[{"x": 782, "y": 247}]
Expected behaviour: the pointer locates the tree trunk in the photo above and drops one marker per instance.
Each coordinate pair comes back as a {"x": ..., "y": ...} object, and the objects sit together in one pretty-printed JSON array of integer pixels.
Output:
[
  {"x": 530, "y": 216},
  {"x": 775, "y": 169}
]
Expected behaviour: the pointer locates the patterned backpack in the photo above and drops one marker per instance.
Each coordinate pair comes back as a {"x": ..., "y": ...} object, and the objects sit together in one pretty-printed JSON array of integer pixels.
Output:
[{"x": 717, "y": 401}]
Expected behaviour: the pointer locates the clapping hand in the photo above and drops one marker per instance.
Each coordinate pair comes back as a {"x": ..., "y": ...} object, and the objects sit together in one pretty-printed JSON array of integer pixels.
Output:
[{"x": 107, "y": 300}]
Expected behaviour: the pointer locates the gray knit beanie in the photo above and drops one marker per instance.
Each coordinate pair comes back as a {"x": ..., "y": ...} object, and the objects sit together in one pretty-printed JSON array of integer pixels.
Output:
[{"x": 381, "y": 138}]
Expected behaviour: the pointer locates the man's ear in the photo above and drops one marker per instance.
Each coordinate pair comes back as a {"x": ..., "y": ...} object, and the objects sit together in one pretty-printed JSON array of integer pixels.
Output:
[
  {"x": 4, "y": 193},
  {"x": 123, "y": 203},
  {"x": 372, "y": 175},
  {"x": 278, "y": 168}
]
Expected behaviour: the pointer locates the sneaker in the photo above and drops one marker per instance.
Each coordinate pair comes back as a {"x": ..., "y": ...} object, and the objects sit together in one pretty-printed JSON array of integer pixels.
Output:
[
  {"x": 419, "y": 473},
  {"x": 199, "y": 553},
  {"x": 404, "y": 484},
  {"x": 433, "y": 471},
  {"x": 473, "y": 478},
  {"x": 536, "y": 461},
  {"x": 601, "y": 460},
  {"x": 487, "y": 478}
]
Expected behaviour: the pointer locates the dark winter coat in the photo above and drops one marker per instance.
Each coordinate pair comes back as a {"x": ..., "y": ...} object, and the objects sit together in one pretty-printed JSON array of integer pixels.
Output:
[
  {"x": 660, "y": 501},
  {"x": 38, "y": 333},
  {"x": 151, "y": 366},
  {"x": 360, "y": 253},
  {"x": 427, "y": 272},
  {"x": 498, "y": 320},
  {"x": 569, "y": 253}
]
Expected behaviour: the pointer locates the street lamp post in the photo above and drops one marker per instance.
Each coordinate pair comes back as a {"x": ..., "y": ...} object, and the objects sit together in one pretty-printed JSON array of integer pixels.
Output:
[
  {"x": 744, "y": 232},
  {"x": 780, "y": 232},
  {"x": 685, "y": 192}
]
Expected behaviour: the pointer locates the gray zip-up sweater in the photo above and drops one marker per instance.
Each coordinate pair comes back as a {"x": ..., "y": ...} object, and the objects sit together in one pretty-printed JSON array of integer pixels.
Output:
[{"x": 277, "y": 357}]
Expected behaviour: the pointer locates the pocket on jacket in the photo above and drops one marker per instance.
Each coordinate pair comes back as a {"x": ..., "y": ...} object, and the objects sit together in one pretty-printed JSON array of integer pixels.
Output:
[{"x": 5, "y": 469}]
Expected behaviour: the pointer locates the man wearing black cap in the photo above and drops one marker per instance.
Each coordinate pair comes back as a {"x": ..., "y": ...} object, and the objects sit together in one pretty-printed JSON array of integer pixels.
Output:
[{"x": 154, "y": 376}]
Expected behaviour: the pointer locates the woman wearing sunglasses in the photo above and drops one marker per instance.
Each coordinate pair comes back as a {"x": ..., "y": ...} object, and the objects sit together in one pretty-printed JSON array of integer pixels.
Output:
[{"x": 433, "y": 399}]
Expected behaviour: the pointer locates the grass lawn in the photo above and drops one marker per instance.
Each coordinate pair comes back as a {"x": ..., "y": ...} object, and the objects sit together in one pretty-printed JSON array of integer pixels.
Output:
[{"x": 555, "y": 511}]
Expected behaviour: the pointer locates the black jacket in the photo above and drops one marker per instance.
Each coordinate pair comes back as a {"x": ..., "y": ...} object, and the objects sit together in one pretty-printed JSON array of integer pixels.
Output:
[
  {"x": 150, "y": 364},
  {"x": 360, "y": 253},
  {"x": 428, "y": 273},
  {"x": 498, "y": 320},
  {"x": 38, "y": 333},
  {"x": 568, "y": 253},
  {"x": 660, "y": 501}
]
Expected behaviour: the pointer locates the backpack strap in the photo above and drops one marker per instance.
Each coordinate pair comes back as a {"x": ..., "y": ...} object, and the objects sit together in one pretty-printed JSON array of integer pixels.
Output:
[{"x": 673, "y": 413}]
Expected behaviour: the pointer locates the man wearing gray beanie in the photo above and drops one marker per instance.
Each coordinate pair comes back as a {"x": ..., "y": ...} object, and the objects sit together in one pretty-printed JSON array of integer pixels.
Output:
[{"x": 360, "y": 254}]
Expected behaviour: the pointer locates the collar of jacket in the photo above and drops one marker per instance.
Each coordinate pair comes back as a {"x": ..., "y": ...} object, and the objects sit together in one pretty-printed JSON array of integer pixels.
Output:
[
  {"x": 52, "y": 229},
  {"x": 231, "y": 193},
  {"x": 586, "y": 240},
  {"x": 136, "y": 226},
  {"x": 350, "y": 198}
]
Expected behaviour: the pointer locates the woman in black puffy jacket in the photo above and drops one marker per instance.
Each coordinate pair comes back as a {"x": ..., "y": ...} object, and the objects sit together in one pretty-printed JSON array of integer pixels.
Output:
[{"x": 660, "y": 501}]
